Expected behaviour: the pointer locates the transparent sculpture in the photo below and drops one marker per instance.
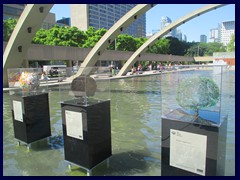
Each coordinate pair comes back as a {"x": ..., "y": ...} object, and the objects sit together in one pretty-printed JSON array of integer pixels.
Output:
[
  {"x": 193, "y": 93},
  {"x": 26, "y": 81},
  {"x": 92, "y": 85}
]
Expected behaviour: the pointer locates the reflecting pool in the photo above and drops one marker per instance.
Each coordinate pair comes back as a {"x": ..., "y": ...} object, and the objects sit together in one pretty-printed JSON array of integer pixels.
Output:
[{"x": 136, "y": 134}]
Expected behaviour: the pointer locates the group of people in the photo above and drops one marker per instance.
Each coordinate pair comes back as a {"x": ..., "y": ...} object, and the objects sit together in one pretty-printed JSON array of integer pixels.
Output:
[
  {"x": 44, "y": 76},
  {"x": 150, "y": 67}
]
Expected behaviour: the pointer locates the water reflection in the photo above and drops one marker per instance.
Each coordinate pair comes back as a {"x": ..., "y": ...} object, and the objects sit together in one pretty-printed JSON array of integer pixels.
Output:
[{"x": 136, "y": 131}]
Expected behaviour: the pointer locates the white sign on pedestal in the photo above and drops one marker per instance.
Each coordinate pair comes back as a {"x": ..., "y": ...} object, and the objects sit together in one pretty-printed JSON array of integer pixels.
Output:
[
  {"x": 17, "y": 110},
  {"x": 188, "y": 151},
  {"x": 74, "y": 124}
]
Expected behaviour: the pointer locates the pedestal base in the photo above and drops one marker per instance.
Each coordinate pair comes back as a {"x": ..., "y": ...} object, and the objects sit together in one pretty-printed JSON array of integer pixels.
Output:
[
  {"x": 31, "y": 118},
  {"x": 86, "y": 132},
  {"x": 215, "y": 136}
]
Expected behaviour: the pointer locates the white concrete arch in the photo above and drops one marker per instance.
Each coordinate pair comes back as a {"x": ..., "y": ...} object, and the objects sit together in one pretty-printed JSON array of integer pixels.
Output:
[
  {"x": 163, "y": 32},
  {"x": 27, "y": 26},
  {"x": 111, "y": 34},
  {"x": 34, "y": 14}
]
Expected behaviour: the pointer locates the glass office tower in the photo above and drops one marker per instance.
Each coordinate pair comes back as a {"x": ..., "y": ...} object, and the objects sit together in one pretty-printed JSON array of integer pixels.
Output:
[{"x": 104, "y": 16}]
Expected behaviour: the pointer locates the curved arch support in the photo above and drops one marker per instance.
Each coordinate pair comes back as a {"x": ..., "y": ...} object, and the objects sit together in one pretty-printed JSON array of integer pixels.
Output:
[
  {"x": 163, "y": 32},
  {"x": 21, "y": 38},
  {"x": 111, "y": 34}
]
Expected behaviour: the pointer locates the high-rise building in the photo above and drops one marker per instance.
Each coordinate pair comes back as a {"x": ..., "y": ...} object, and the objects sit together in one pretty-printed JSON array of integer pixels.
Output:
[
  {"x": 64, "y": 22},
  {"x": 227, "y": 29},
  {"x": 223, "y": 32},
  {"x": 15, "y": 10},
  {"x": 104, "y": 16},
  {"x": 49, "y": 21},
  {"x": 203, "y": 38},
  {"x": 12, "y": 10},
  {"x": 179, "y": 34},
  {"x": 213, "y": 35},
  {"x": 184, "y": 38},
  {"x": 165, "y": 21}
]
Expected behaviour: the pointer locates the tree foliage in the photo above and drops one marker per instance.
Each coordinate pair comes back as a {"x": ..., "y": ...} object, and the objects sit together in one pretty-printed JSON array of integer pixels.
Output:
[
  {"x": 8, "y": 27},
  {"x": 126, "y": 42},
  {"x": 72, "y": 36},
  {"x": 162, "y": 46},
  {"x": 60, "y": 36},
  {"x": 205, "y": 49},
  {"x": 231, "y": 44},
  {"x": 93, "y": 36},
  {"x": 177, "y": 47}
]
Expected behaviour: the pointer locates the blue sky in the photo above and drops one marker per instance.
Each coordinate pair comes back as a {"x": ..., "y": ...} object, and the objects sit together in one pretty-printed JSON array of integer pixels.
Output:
[{"x": 192, "y": 29}]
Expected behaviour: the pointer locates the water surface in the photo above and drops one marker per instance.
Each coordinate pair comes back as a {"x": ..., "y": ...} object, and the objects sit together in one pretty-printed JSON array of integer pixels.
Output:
[{"x": 136, "y": 134}]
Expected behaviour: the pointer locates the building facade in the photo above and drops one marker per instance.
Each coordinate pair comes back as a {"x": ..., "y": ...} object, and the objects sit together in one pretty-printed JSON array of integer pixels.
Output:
[
  {"x": 203, "y": 38},
  {"x": 12, "y": 11},
  {"x": 213, "y": 35},
  {"x": 49, "y": 21},
  {"x": 64, "y": 22},
  {"x": 184, "y": 38},
  {"x": 104, "y": 16},
  {"x": 223, "y": 32},
  {"x": 179, "y": 35},
  {"x": 227, "y": 29},
  {"x": 165, "y": 21},
  {"x": 15, "y": 10}
]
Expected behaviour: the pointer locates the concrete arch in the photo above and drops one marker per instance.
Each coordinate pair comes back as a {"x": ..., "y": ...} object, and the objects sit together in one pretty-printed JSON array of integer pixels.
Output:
[
  {"x": 163, "y": 32},
  {"x": 21, "y": 38},
  {"x": 111, "y": 34},
  {"x": 34, "y": 14}
]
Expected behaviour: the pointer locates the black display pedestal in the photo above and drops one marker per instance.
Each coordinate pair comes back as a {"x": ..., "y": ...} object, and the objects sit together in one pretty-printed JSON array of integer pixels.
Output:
[
  {"x": 31, "y": 118},
  {"x": 215, "y": 143},
  {"x": 86, "y": 132}
]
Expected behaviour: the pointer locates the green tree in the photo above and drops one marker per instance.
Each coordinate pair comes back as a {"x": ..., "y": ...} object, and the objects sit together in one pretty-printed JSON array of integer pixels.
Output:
[
  {"x": 214, "y": 47},
  {"x": 8, "y": 27},
  {"x": 140, "y": 41},
  {"x": 126, "y": 42},
  {"x": 162, "y": 46},
  {"x": 60, "y": 36},
  {"x": 192, "y": 49},
  {"x": 231, "y": 44},
  {"x": 40, "y": 37},
  {"x": 177, "y": 47},
  {"x": 204, "y": 49},
  {"x": 93, "y": 36}
]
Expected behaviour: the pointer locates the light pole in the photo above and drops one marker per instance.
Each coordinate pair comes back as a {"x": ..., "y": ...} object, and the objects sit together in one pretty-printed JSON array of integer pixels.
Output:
[{"x": 198, "y": 50}]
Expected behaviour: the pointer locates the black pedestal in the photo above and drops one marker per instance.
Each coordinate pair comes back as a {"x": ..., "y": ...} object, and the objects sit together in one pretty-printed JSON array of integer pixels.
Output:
[
  {"x": 215, "y": 135},
  {"x": 86, "y": 132},
  {"x": 31, "y": 119}
]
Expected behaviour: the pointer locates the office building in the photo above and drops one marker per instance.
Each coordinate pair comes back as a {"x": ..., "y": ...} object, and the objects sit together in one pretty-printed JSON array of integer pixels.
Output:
[
  {"x": 184, "y": 38},
  {"x": 227, "y": 29},
  {"x": 104, "y": 16},
  {"x": 203, "y": 38},
  {"x": 49, "y": 21},
  {"x": 213, "y": 35},
  {"x": 12, "y": 10},
  {"x": 179, "y": 34},
  {"x": 165, "y": 21},
  {"x": 64, "y": 22},
  {"x": 15, "y": 10},
  {"x": 223, "y": 33}
]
